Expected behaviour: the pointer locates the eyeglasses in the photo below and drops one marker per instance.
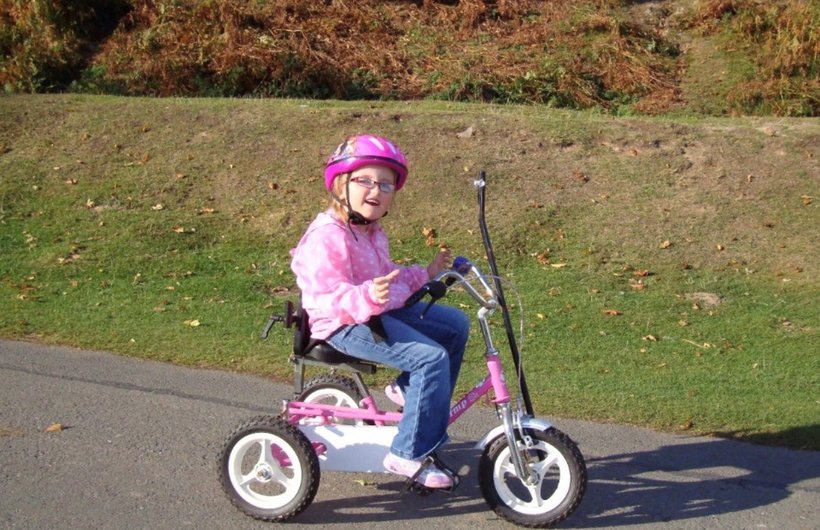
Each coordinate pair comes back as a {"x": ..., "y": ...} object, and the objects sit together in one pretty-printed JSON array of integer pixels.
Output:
[{"x": 384, "y": 187}]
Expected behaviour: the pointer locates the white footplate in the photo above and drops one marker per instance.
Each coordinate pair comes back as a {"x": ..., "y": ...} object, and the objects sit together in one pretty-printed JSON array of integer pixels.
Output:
[{"x": 359, "y": 448}]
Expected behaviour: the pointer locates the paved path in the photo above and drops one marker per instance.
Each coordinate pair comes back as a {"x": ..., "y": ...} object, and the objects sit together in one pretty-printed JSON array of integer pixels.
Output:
[{"x": 143, "y": 437}]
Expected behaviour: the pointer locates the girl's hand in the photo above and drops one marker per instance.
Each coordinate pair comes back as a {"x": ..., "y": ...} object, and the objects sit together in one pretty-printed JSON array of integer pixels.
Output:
[
  {"x": 442, "y": 261},
  {"x": 380, "y": 288}
]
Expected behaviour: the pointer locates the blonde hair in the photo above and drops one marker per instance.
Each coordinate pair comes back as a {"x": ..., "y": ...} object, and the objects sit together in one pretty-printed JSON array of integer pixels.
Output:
[{"x": 337, "y": 189}]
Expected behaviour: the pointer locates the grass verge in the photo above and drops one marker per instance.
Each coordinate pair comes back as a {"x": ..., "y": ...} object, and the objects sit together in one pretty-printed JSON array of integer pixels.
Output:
[{"x": 667, "y": 267}]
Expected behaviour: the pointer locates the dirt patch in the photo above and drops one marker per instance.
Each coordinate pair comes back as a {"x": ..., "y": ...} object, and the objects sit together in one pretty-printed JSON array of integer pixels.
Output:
[{"x": 705, "y": 299}]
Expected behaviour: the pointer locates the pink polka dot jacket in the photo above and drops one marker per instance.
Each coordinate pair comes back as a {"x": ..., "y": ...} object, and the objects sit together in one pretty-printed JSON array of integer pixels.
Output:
[{"x": 334, "y": 271}]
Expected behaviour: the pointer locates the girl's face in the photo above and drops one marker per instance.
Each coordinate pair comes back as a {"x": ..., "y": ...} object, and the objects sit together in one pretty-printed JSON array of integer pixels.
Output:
[{"x": 371, "y": 191}]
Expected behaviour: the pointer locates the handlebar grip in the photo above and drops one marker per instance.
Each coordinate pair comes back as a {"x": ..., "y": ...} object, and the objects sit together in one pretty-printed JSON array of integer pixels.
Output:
[
  {"x": 461, "y": 265},
  {"x": 417, "y": 296},
  {"x": 435, "y": 288}
]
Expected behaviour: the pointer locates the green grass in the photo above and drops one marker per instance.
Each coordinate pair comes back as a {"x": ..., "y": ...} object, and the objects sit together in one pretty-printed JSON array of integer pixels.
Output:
[{"x": 125, "y": 222}]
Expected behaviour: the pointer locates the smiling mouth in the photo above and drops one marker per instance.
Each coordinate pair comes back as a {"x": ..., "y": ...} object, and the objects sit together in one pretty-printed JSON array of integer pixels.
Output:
[{"x": 372, "y": 202}]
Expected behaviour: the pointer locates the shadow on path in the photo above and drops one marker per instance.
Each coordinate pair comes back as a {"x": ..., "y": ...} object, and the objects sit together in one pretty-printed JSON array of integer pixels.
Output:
[{"x": 698, "y": 478}]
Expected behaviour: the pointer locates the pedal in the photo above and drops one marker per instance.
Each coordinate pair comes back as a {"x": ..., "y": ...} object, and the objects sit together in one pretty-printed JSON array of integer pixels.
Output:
[
  {"x": 418, "y": 489},
  {"x": 412, "y": 486},
  {"x": 447, "y": 470}
]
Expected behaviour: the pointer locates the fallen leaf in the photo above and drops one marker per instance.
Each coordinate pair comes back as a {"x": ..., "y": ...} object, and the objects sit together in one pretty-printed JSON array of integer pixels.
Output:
[
  {"x": 466, "y": 133},
  {"x": 192, "y": 323},
  {"x": 666, "y": 244},
  {"x": 651, "y": 338},
  {"x": 612, "y": 312},
  {"x": 55, "y": 427},
  {"x": 430, "y": 234},
  {"x": 806, "y": 200},
  {"x": 157, "y": 207},
  {"x": 641, "y": 273}
]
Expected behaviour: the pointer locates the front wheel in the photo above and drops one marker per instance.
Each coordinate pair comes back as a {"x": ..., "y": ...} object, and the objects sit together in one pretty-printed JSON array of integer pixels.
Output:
[
  {"x": 269, "y": 469},
  {"x": 561, "y": 479}
]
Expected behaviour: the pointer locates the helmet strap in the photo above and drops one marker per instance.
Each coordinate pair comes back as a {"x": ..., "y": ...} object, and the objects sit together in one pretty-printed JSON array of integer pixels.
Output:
[{"x": 353, "y": 217}]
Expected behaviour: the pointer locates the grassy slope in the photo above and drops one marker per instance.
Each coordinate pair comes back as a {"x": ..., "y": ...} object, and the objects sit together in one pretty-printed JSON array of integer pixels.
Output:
[{"x": 125, "y": 221}]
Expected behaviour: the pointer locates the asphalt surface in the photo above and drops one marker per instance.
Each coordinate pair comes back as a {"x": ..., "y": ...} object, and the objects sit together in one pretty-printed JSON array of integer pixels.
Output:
[{"x": 142, "y": 441}]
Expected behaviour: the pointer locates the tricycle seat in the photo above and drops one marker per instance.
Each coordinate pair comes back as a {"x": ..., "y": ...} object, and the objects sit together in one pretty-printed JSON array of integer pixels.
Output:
[
  {"x": 309, "y": 351},
  {"x": 322, "y": 352}
]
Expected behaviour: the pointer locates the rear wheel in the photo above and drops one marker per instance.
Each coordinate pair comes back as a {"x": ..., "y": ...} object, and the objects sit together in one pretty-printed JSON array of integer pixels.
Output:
[
  {"x": 559, "y": 485},
  {"x": 268, "y": 469},
  {"x": 336, "y": 390}
]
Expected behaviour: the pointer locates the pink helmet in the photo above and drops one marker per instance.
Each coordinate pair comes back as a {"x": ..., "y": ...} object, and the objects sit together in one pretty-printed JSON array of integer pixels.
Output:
[{"x": 364, "y": 150}]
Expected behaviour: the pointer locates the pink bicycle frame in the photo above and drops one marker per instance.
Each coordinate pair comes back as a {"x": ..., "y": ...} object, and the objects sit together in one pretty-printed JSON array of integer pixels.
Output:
[{"x": 328, "y": 414}]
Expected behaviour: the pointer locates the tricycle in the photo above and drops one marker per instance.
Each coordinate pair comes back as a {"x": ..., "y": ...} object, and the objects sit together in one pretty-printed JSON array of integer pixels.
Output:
[{"x": 530, "y": 473}]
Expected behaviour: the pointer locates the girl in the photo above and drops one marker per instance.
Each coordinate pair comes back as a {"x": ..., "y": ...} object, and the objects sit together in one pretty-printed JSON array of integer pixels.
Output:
[{"x": 355, "y": 295}]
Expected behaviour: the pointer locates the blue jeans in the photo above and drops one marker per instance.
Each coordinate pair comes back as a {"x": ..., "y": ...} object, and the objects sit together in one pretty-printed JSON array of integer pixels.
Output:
[{"x": 429, "y": 352}]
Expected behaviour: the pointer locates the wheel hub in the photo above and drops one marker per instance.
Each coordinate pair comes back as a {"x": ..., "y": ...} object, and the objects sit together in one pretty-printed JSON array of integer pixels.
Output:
[{"x": 263, "y": 473}]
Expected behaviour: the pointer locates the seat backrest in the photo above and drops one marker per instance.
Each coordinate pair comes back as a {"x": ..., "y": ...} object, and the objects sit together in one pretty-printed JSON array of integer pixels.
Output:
[{"x": 301, "y": 336}]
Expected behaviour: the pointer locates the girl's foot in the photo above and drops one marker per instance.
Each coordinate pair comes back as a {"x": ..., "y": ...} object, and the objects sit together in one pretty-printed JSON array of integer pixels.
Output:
[
  {"x": 394, "y": 394},
  {"x": 431, "y": 477}
]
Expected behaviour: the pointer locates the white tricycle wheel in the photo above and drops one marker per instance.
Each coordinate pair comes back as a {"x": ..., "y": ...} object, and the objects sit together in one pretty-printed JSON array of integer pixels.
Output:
[
  {"x": 269, "y": 469},
  {"x": 557, "y": 491}
]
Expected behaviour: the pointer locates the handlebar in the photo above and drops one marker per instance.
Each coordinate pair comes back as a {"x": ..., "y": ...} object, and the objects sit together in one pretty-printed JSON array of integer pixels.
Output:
[{"x": 438, "y": 286}]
